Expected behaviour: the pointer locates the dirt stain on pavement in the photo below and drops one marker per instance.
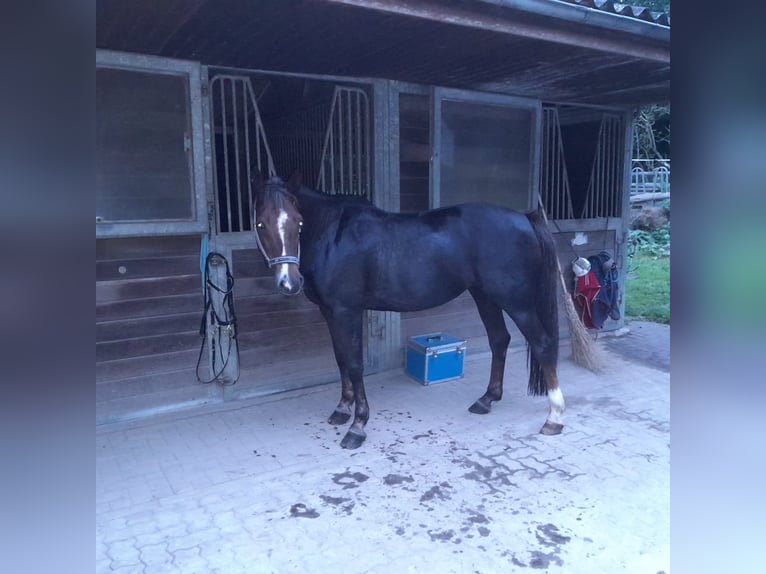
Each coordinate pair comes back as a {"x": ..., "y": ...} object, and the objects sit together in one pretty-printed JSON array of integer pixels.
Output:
[
  {"x": 436, "y": 492},
  {"x": 395, "y": 479},
  {"x": 541, "y": 560},
  {"x": 548, "y": 534},
  {"x": 300, "y": 510},
  {"x": 349, "y": 479},
  {"x": 442, "y": 536}
]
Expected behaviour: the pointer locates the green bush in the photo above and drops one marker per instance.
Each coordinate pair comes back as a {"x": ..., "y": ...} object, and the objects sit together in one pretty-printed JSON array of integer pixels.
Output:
[{"x": 654, "y": 243}]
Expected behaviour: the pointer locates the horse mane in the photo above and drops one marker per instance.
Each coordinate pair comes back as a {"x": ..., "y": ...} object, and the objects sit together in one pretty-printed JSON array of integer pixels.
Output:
[{"x": 340, "y": 198}]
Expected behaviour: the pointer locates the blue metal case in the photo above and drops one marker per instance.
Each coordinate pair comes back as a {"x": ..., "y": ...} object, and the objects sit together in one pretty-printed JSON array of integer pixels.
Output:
[{"x": 435, "y": 358}]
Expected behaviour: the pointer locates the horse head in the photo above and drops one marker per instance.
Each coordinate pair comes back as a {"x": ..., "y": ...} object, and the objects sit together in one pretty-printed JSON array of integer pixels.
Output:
[{"x": 278, "y": 225}]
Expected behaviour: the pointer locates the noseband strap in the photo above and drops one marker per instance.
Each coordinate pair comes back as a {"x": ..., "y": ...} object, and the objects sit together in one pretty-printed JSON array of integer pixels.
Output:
[{"x": 282, "y": 259}]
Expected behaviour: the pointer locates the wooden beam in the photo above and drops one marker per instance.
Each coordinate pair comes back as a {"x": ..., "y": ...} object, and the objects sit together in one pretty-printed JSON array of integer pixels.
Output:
[{"x": 472, "y": 19}]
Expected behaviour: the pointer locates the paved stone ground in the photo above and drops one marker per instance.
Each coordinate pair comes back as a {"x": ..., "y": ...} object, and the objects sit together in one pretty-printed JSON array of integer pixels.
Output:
[
  {"x": 642, "y": 341},
  {"x": 263, "y": 486}
]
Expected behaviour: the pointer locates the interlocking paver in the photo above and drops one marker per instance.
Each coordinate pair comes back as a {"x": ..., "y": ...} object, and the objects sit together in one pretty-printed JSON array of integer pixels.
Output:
[{"x": 263, "y": 486}]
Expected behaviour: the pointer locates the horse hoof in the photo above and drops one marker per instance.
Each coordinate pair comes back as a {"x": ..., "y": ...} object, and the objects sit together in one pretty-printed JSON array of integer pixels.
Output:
[
  {"x": 551, "y": 429},
  {"x": 339, "y": 418},
  {"x": 480, "y": 407},
  {"x": 353, "y": 439}
]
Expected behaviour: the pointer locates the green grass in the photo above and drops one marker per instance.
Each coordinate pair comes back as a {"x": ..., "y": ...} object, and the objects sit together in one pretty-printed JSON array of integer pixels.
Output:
[{"x": 647, "y": 288}]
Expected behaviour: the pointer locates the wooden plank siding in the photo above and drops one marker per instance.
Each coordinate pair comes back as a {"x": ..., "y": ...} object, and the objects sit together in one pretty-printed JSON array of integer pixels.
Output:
[
  {"x": 284, "y": 341},
  {"x": 148, "y": 310}
]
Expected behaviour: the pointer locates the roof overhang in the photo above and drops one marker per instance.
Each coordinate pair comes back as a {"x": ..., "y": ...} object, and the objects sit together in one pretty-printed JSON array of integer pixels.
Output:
[{"x": 566, "y": 51}]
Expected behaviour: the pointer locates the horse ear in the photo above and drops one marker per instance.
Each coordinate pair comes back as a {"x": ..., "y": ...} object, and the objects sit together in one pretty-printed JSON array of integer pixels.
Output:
[{"x": 295, "y": 182}]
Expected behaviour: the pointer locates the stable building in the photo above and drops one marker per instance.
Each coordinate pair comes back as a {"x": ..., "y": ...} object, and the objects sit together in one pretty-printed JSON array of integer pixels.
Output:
[{"x": 412, "y": 105}]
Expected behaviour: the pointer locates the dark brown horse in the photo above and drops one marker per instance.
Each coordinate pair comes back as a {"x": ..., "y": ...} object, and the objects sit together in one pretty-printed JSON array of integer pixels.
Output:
[{"x": 352, "y": 256}]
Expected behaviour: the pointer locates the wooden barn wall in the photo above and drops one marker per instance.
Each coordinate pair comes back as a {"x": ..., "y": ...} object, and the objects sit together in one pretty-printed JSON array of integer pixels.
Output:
[
  {"x": 148, "y": 310},
  {"x": 414, "y": 152},
  {"x": 284, "y": 342}
]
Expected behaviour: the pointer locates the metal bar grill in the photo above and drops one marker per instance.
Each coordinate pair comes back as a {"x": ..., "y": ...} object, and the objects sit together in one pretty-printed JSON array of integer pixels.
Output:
[
  {"x": 604, "y": 197},
  {"x": 554, "y": 182},
  {"x": 345, "y": 159},
  {"x": 239, "y": 144}
]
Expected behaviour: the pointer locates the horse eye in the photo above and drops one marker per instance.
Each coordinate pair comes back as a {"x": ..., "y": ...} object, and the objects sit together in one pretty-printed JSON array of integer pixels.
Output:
[
  {"x": 259, "y": 225},
  {"x": 300, "y": 224}
]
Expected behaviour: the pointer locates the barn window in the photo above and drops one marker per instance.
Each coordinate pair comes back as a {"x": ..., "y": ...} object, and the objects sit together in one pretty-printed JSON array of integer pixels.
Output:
[{"x": 147, "y": 176}]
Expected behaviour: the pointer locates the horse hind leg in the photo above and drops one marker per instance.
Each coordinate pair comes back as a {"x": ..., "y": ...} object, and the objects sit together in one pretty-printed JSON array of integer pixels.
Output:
[
  {"x": 543, "y": 379},
  {"x": 554, "y": 424},
  {"x": 499, "y": 339}
]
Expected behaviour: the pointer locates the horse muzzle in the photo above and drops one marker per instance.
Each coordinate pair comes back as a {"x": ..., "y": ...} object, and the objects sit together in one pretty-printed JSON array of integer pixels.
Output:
[{"x": 288, "y": 279}]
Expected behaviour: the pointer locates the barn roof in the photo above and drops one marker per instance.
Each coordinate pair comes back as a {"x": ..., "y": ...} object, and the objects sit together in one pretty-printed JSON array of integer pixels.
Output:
[{"x": 578, "y": 51}]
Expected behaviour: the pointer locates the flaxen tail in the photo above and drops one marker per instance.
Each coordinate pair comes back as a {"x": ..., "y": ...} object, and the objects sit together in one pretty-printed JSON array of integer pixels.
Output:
[{"x": 546, "y": 305}]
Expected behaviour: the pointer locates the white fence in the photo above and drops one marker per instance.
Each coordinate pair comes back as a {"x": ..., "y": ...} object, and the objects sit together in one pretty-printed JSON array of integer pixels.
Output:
[{"x": 650, "y": 176}]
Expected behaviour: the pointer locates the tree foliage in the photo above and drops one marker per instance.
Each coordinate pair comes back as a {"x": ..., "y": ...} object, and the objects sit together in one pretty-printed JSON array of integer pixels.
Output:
[
  {"x": 651, "y": 139},
  {"x": 651, "y": 136}
]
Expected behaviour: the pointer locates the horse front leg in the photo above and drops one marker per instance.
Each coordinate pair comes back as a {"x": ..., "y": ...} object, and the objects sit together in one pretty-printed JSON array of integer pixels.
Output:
[
  {"x": 499, "y": 339},
  {"x": 342, "y": 412},
  {"x": 346, "y": 332}
]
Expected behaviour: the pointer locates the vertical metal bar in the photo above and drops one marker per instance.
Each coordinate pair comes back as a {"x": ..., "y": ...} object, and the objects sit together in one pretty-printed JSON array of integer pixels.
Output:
[
  {"x": 597, "y": 179},
  {"x": 548, "y": 166},
  {"x": 225, "y": 134},
  {"x": 612, "y": 166},
  {"x": 618, "y": 167},
  {"x": 545, "y": 164},
  {"x": 214, "y": 153},
  {"x": 367, "y": 147},
  {"x": 602, "y": 167},
  {"x": 340, "y": 142},
  {"x": 248, "y": 167},
  {"x": 235, "y": 123},
  {"x": 362, "y": 188},
  {"x": 349, "y": 136},
  {"x": 565, "y": 174},
  {"x": 599, "y": 176},
  {"x": 607, "y": 163},
  {"x": 331, "y": 137},
  {"x": 608, "y": 176},
  {"x": 555, "y": 161},
  {"x": 556, "y": 151},
  {"x": 258, "y": 145},
  {"x": 546, "y": 176},
  {"x": 605, "y": 168}
]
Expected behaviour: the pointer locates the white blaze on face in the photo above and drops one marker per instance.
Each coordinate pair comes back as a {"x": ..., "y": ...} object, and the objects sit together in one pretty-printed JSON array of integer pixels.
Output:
[
  {"x": 556, "y": 400},
  {"x": 282, "y": 271}
]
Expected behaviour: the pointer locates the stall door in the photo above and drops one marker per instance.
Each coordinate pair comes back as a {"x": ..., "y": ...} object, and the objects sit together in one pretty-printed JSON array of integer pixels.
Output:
[{"x": 483, "y": 147}]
